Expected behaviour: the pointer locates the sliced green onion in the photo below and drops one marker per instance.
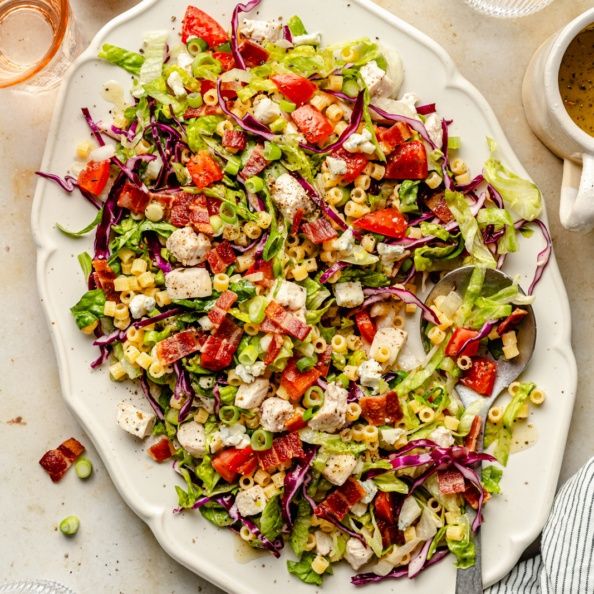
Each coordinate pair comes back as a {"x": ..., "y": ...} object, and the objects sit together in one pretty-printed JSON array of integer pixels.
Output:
[
  {"x": 229, "y": 414},
  {"x": 233, "y": 166},
  {"x": 261, "y": 440},
  {"x": 350, "y": 87},
  {"x": 296, "y": 26},
  {"x": 287, "y": 106},
  {"x": 308, "y": 414},
  {"x": 227, "y": 394},
  {"x": 228, "y": 213},
  {"x": 257, "y": 309},
  {"x": 313, "y": 397},
  {"x": 272, "y": 151},
  {"x": 159, "y": 278},
  {"x": 205, "y": 60},
  {"x": 249, "y": 354},
  {"x": 194, "y": 100},
  {"x": 224, "y": 47},
  {"x": 83, "y": 468},
  {"x": 172, "y": 416},
  {"x": 195, "y": 45},
  {"x": 254, "y": 184},
  {"x": 69, "y": 526},
  {"x": 217, "y": 224},
  {"x": 278, "y": 125},
  {"x": 454, "y": 143},
  {"x": 306, "y": 363}
]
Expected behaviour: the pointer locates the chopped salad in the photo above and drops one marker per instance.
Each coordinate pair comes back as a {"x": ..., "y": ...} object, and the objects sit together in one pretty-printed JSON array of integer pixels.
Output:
[{"x": 268, "y": 210}]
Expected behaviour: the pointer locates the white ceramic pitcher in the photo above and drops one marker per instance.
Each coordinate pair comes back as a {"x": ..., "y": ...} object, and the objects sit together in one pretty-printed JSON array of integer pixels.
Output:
[{"x": 550, "y": 121}]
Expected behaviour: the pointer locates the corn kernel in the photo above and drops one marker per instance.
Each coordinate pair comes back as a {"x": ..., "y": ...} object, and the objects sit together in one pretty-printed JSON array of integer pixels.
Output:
[
  {"x": 117, "y": 371},
  {"x": 320, "y": 564},
  {"x": 83, "y": 150},
  {"x": 139, "y": 266},
  {"x": 451, "y": 423},
  {"x": 109, "y": 308},
  {"x": 144, "y": 360},
  {"x": 121, "y": 284},
  {"x": 410, "y": 533}
]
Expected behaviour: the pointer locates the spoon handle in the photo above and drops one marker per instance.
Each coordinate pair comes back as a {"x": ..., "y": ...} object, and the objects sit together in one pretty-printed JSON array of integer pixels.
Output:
[{"x": 470, "y": 581}]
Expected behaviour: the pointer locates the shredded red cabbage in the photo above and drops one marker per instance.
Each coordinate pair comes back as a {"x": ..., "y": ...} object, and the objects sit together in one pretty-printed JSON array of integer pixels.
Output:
[
  {"x": 174, "y": 311},
  {"x": 217, "y": 398},
  {"x": 426, "y": 109},
  {"x": 416, "y": 564},
  {"x": 293, "y": 481},
  {"x": 151, "y": 399},
  {"x": 331, "y": 270},
  {"x": 414, "y": 124},
  {"x": 355, "y": 392},
  {"x": 406, "y": 296},
  {"x": 93, "y": 126},
  {"x": 68, "y": 183},
  {"x": 154, "y": 248},
  {"x": 484, "y": 331},
  {"x": 544, "y": 256},
  {"x": 111, "y": 213},
  {"x": 103, "y": 356},
  {"x": 473, "y": 185},
  {"x": 108, "y": 339},
  {"x": 183, "y": 389},
  {"x": 495, "y": 196},
  {"x": 239, "y": 61},
  {"x": 287, "y": 35},
  {"x": 127, "y": 169}
]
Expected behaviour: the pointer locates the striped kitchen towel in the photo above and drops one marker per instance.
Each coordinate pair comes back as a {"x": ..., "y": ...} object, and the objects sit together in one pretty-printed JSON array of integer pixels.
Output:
[{"x": 566, "y": 562}]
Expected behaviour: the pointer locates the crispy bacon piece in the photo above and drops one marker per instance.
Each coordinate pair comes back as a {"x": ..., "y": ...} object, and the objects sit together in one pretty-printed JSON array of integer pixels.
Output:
[
  {"x": 104, "y": 278},
  {"x": 472, "y": 497},
  {"x": 470, "y": 441},
  {"x": 234, "y": 140},
  {"x": 267, "y": 326},
  {"x": 255, "y": 164},
  {"x": 180, "y": 209},
  {"x": 450, "y": 482},
  {"x": 218, "y": 350},
  {"x": 287, "y": 321},
  {"x": 339, "y": 503},
  {"x": 161, "y": 451},
  {"x": 381, "y": 410},
  {"x": 318, "y": 231},
  {"x": 283, "y": 450},
  {"x": 511, "y": 321},
  {"x": 57, "y": 462},
  {"x": 221, "y": 257},
  {"x": 439, "y": 207},
  {"x": 133, "y": 198},
  {"x": 199, "y": 215},
  {"x": 222, "y": 305},
  {"x": 166, "y": 200},
  {"x": 177, "y": 346},
  {"x": 274, "y": 349}
]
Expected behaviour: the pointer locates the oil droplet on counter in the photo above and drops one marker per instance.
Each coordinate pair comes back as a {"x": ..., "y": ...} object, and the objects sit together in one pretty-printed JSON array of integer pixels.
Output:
[
  {"x": 113, "y": 93},
  {"x": 524, "y": 436},
  {"x": 244, "y": 553}
]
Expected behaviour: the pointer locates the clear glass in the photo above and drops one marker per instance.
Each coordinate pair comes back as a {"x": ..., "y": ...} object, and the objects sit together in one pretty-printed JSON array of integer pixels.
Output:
[
  {"x": 38, "y": 41},
  {"x": 508, "y": 8}
]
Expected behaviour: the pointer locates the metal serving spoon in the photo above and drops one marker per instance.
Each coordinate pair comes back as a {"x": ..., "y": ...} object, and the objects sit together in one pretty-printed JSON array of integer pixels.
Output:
[{"x": 469, "y": 581}]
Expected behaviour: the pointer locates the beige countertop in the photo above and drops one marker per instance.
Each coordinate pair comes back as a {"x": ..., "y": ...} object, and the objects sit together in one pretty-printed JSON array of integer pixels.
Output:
[{"x": 114, "y": 551}]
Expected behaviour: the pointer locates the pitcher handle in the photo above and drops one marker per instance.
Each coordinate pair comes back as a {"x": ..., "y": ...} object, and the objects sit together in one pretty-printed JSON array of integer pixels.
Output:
[{"x": 576, "y": 209}]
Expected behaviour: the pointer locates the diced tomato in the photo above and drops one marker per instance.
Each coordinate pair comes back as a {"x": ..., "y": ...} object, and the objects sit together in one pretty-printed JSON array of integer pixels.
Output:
[
  {"x": 471, "y": 439},
  {"x": 339, "y": 503},
  {"x": 481, "y": 376},
  {"x": 450, "y": 482},
  {"x": 318, "y": 231},
  {"x": 248, "y": 467},
  {"x": 408, "y": 161},
  {"x": 179, "y": 345},
  {"x": 197, "y": 23},
  {"x": 133, "y": 198},
  {"x": 296, "y": 382},
  {"x": 383, "y": 507},
  {"x": 439, "y": 207},
  {"x": 356, "y": 163},
  {"x": 283, "y": 450},
  {"x": 295, "y": 88},
  {"x": 256, "y": 163},
  {"x": 221, "y": 306},
  {"x": 204, "y": 170},
  {"x": 390, "y": 138},
  {"x": 291, "y": 324},
  {"x": 226, "y": 60},
  {"x": 161, "y": 451},
  {"x": 234, "y": 140},
  {"x": 228, "y": 462},
  {"x": 276, "y": 344},
  {"x": 381, "y": 410},
  {"x": 365, "y": 325},
  {"x": 218, "y": 349},
  {"x": 221, "y": 257},
  {"x": 253, "y": 54},
  {"x": 459, "y": 337},
  {"x": 387, "y": 221},
  {"x": 511, "y": 321},
  {"x": 295, "y": 423},
  {"x": 93, "y": 178},
  {"x": 314, "y": 125},
  {"x": 57, "y": 462}
]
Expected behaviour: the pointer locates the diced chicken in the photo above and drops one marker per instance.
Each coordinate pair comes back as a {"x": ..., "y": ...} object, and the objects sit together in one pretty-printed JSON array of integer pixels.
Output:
[
  {"x": 395, "y": 68},
  {"x": 135, "y": 421},
  {"x": 336, "y": 166},
  {"x": 370, "y": 490},
  {"x": 332, "y": 414},
  {"x": 275, "y": 412},
  {"x": 370, "y": 374},
  {"x": 191, "y": 437},
  {"x": 140, "y": 305},
  {"x": 188, "y": 283},
  {"x": 188, "y": 247},
  {"x": 323, "y": 543},
  {"x": 360, "y": 143},
  {"x": 290, "y": 295},
  {"x": 349, "y": 294},
  {"x": 289, "y": 196},
  {"x": 260, "y": 30},
  {"x": 345, "y": 242},
  {"x": 248, "y": 373},
  {"x": 442, "y": 437},
  {"x": 404, "y": 106},
  {"x": 392, "y": 339},
  {"x": 176, "y": 84},
  {"x": 338, "y": 468},
  {"x": 185, "y": 61},
  {"x": 377, "y": 80},
  {"x": 252, "y": 395},
  {"x": 359, "y": 509},
  {"x": 234, "y": 436},
  {"x": 357, "y": 554},
  {"x": 307, "y": 39},
  {"x": 390, "y": 253},
  {"x": 251, "y": 502},
  {"x": 205, "y": 323},
  {"x": 434, "y": 129},
  {"x": 266, "y": 110},
  {"x": 410, "y": 511}
]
